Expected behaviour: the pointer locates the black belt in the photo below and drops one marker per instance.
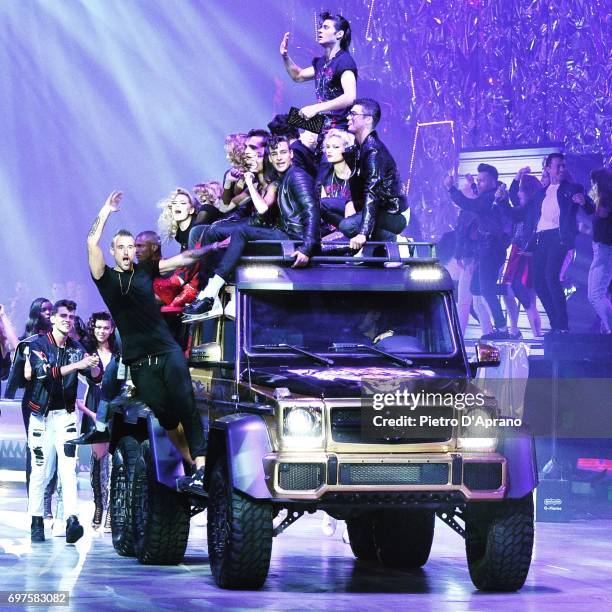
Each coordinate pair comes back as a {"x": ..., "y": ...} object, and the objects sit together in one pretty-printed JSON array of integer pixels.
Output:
[{"x": 146, "y": 360}]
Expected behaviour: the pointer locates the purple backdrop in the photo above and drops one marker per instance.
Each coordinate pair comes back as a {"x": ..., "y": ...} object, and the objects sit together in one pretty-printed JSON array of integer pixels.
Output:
[{"x": 139, "y": 95}]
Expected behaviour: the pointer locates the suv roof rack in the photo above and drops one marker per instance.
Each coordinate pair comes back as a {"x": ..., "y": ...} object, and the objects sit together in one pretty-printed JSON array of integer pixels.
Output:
[{"x": 281, "y": 251}]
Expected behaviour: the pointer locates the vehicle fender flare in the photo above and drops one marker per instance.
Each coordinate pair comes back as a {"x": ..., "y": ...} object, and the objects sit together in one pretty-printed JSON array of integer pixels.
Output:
[
  {"x": 244, "y": 440},
  {"x": 518, "y": 447},
  {"x": 168, "y": 460}
]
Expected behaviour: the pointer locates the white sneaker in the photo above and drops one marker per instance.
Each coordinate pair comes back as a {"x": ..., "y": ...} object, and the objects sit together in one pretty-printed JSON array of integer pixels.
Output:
[
  {"x": 230, "y": 309},
  {"x": 58, "y": 530},
  {"x": 345, "y": 536},
  {"x": 329, "y": 525},
  {"x": 201, "y": 519}
]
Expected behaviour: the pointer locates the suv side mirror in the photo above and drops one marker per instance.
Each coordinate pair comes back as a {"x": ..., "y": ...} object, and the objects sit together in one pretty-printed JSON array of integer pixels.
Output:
[{"x": 487, "y": 356}]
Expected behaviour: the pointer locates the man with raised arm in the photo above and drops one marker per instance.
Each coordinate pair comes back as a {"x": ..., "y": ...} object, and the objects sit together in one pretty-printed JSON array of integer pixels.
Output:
[
  {"x": 156, "y": 361},
  {"x": 335, "y": 73}
]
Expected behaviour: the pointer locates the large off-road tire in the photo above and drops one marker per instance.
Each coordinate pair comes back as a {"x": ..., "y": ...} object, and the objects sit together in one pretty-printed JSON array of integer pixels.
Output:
[
  {"x": 120, "y": 505},
  {"x": 160, "y": 515},
  {"x": 403, "y": 538},
  {"x": 239, "y": 534},
  {"x": 361, "y": 536},
  {"x": 499, "y": 543}
]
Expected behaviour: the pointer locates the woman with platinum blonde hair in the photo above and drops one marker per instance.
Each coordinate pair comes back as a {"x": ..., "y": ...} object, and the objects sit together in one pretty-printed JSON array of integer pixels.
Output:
[
  {"x": 333, "y": 178},
  {"x": 179, "y": 213}
]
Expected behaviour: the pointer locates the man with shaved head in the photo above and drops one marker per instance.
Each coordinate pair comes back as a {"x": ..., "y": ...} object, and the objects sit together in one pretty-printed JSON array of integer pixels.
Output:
[{"x": 147, "y": 245}]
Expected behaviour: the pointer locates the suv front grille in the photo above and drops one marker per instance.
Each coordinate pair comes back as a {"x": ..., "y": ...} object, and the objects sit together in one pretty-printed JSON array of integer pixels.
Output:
[
  {"x": 394, "y": 473},
  {"x": 486, "y": 476},
  {"x": 300, "y": 476},
  {"x": 346, "y": 427}
]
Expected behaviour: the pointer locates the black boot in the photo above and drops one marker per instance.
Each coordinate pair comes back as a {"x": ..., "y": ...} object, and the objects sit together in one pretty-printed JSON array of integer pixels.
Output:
[
  {"x": 37, "y": 530},
  {"x": 96, "y": 487},
  {"x": 74, "y": 530},
  {"x": 92, "y": 437}
]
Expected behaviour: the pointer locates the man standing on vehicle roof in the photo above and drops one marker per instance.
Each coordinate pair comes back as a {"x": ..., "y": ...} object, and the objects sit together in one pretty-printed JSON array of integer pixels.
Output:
[{"x": 335, "y": 73}]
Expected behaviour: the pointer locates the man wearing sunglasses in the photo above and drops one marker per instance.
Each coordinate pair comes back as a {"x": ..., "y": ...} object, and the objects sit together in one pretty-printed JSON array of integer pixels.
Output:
[{"x": 375, "y": 184}]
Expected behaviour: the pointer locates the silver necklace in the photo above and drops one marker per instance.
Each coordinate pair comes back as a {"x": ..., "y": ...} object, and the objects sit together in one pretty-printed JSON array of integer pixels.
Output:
[{"x": 129, "y": 283}]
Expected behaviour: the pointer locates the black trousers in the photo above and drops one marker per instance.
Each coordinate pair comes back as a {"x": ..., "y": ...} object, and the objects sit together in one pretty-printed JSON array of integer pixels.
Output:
[
  {"x": 491, "y": 256},
  {"x": 386, "y": 226},
  {"x": 164, "y": 385},
  {"x": 238, "y": 243},
  {"x": 548, "y": 259}
]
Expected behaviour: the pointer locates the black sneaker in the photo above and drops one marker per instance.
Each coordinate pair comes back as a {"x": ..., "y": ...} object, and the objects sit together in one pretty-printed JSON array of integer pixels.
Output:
[
  {"x": 92, "y": 437},
  {"x": 199, "y": 306},
  {"x": 497, "y": 335},
  {"x": 206, "y": 308},
  {"x": 192, "y": 484},
  {"x": 37, "y": 530},
  {"x": 74, "y": 530}
]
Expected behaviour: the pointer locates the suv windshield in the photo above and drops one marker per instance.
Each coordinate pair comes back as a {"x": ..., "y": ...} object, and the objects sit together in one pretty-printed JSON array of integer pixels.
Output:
[{"x": 410, "y": 323}]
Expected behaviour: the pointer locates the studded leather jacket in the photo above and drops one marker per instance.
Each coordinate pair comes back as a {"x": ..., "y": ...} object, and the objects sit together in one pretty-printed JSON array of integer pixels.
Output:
[
  {"x": 299, "y": 209},
  {"x": 375, "y": 184}
]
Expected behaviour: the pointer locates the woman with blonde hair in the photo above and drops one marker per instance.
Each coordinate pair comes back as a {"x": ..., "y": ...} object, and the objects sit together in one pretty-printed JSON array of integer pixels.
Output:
[
  {"x": 180, "y": 212},
  {"x": 333, "y": 178}
]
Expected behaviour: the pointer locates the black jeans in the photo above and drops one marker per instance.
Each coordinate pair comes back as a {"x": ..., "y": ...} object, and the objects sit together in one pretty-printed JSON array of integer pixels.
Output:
[
  {"x": 165, "y": 386},
  {"x": 491, "y": 256},
  {"x": 207, "y": 234},
  {"x": 387, "y": 225},
  {"x": 238, "y": 243},
  {"x": 332, "y": 210},
  {"x": 548, "y": 259}
]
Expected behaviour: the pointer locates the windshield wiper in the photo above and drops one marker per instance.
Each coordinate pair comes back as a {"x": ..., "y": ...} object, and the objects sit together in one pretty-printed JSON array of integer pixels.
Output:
[
  {"x": 343, "y": 346},
  {"x": 295, "y": 349}
]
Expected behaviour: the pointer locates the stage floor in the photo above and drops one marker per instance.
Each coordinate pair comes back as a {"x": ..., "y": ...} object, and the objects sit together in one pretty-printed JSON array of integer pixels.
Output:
[{"x": 572, "y": 566}]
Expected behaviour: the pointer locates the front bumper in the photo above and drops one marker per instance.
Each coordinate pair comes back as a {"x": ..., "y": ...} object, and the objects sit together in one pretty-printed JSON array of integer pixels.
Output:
[{"x": 310, "y": 476}]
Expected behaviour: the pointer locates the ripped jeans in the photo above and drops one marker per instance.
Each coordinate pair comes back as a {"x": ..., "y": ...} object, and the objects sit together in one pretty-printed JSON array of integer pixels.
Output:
[{"x": 47, "y": 436}]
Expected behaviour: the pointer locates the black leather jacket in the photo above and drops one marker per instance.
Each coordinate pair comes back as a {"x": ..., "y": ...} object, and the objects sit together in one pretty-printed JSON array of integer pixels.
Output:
[
  {"x": 298, "y": 208},
  {"x": 531, "y": 212},
  {"x": 375, "y": 183},
  {"x": 47, "y": 358},
  {"x": 16, "y": 378}
]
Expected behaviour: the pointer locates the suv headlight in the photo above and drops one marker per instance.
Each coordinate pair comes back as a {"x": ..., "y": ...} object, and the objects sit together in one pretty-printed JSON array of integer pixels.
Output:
[
  {"x": 302, "y": 426},
  {"x": 477, "y": 433}
]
